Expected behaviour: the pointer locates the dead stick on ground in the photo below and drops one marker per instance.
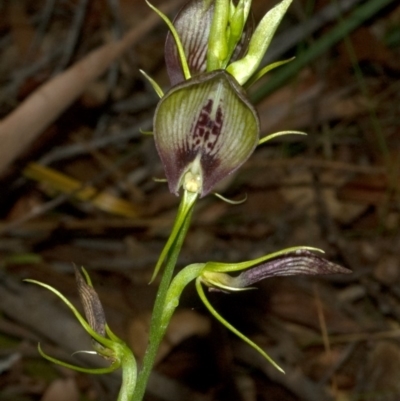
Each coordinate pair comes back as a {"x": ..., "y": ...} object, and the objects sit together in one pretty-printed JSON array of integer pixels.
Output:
[{"x": 43, "y": 106}]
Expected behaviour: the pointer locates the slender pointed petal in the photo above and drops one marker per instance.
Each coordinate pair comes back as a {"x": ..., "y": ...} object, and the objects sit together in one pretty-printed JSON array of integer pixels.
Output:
[
  {"x": 247, "y": 340},
  {"x": 206, "y": 119},
  {"x": 244, "y": 68}
]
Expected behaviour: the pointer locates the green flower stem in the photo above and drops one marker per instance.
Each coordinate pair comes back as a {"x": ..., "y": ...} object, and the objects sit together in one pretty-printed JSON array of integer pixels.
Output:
[
  {"x": 186, "y": 205},
  {"x": 180, "y": 281},
  {"x": 158, "y": 324},
  {"x": 129, "y": 376}
]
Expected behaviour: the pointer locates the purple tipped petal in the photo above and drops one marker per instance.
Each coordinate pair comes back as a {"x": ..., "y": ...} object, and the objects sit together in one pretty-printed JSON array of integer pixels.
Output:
[
  {"x": 301, "y": 262},
  {"x": 209, "y": 118}
]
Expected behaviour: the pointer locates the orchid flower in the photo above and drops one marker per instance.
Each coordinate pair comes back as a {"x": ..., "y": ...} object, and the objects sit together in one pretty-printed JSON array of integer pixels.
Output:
[
  {"x": 105, "y": 343},
  {"x": 214, "y": 275},
  {"x": 205, "y": 126}
]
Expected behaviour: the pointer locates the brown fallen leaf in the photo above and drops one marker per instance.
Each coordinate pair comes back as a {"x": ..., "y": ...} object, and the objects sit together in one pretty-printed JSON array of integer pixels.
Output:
[{"x": 65, "y": 184}]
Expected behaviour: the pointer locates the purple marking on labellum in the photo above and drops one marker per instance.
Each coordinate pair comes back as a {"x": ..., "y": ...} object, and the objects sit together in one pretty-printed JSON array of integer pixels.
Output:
[{"x": 207, "y": 129}]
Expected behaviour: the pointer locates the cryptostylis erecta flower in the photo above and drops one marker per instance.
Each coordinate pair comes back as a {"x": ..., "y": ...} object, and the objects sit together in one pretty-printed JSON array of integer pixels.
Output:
[
  {"x": 205, "y": 126},
  {"x": 213, "y": 134},
  {"x": 105, "y": 343},
  {"x": 216, "y": 276}
]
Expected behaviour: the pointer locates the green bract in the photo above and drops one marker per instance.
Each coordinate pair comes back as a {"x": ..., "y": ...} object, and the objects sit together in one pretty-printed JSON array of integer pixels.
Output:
[{"x": 244, "y": 68}]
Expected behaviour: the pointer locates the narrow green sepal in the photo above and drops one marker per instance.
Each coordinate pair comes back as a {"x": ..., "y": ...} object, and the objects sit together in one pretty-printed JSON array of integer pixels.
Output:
[
  {"x": 236, "y": 24},
  {"x": 244, "y": 68},
  {"x": 112, "y": 336},
  {"x": 153, "y": 83},
  {"x": 266, "y": 69},
  {"x": 87, "y": 277},
  {"x": 230, "y": 201},
  {"x": 150, "y": 133},
  {"x": 207, "y": 304},
  {"x": 95, "y": 371},
  {"x": 178, "y": 42},
  {"x": 280, "y": 133}
]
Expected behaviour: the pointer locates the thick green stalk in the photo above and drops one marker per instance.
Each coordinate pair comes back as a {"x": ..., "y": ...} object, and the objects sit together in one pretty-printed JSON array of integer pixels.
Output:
[{"x": 157, "y": 330}]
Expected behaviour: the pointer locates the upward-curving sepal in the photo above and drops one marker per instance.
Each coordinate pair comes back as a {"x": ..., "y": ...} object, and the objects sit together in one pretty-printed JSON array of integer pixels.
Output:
[
  {"x": 204, "y": 128},
  {"x": 244, "y": 68}
]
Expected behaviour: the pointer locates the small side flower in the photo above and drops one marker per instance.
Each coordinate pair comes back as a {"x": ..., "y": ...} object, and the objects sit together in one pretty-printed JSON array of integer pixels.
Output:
[
  {"x": 288, "y": 262},
  {"x": 105, "y": 342}
]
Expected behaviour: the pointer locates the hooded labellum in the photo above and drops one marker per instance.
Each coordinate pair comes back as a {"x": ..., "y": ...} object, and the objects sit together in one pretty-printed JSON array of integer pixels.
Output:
[
  {"x": 193, "y": 25},
  {"x": 204, "y": 129},
  {"x": 299, "y": 262},
  {"x": 293, "y": 261}
]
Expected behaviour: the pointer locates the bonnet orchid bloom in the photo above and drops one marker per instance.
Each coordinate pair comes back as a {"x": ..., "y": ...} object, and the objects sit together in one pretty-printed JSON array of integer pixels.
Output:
[
  {"x": 214, "y": 275},
  {"x": 205, "y": 127},
  {"x": 105, "y": 342}
]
